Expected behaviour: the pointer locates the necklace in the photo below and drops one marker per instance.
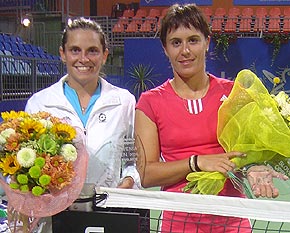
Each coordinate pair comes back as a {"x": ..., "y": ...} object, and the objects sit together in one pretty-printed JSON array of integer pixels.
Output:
[
  {"x": 187, "y": 93},
  {"x": 83, "y": 109},
  {"x": 195, "y": 105}
]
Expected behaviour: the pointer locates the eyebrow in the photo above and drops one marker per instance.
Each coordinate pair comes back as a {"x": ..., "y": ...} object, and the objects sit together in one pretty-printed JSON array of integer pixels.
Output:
[
  {"x": 76, "y": 46},
  {"x": 190, "y": 37}
]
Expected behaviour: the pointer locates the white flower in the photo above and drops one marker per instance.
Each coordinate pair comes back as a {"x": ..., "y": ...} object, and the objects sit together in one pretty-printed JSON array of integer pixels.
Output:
[
  {"x": 281, "y": 98},
  {"x": 26, "y": 157},
  {"x": 69, "y": 152},
  {"x": 285, "y": 110},
  {"x": 283, "y": 102},
  {"x": 2, "y": 140},
  {"x": 7, "y": 132},
  {"x": 46, "y": 123}
]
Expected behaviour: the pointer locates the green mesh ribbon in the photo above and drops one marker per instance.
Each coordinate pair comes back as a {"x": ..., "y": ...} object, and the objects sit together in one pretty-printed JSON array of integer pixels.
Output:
[{"x": 248, "y": 121}]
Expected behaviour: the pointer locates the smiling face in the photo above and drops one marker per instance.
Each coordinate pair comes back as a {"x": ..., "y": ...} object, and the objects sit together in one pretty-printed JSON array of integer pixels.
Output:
[
  {"x": 84, "y": 55},
  {"x": 186, "y": 49}
]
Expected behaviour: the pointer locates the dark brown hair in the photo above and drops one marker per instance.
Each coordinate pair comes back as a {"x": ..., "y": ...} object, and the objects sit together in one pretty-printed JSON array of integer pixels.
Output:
[{"x": 187, "y": 15}]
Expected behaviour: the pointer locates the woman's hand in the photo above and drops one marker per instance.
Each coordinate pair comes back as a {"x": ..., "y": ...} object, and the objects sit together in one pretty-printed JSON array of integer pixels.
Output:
[
  {"x": 127, "y": 183},
  {"x": 260, "y": 178},
  {"x": 218, "y": 162}
]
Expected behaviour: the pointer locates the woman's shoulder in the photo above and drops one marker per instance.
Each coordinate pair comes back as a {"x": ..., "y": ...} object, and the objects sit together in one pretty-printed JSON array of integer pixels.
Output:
[
  {"x": 222, "y": 83},
  {"x": 151, "y": 100},
  {"x": 221, "y": 80},
  {"x": 158, "y": 90}
]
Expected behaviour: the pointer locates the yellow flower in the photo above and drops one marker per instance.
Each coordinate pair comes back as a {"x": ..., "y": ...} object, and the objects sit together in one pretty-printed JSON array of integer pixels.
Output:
[
  {"x": 6, "y": 116},
  {"x": 9, "y": 165},
  {"x": 31, "y": 128},
  {"x": 276, "y": 80},
  {"x": 64, "y": 131}
]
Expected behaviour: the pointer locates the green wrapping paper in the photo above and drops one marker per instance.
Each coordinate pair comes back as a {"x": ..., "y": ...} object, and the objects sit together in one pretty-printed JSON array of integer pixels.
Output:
[{"x": 249, "y": 121}]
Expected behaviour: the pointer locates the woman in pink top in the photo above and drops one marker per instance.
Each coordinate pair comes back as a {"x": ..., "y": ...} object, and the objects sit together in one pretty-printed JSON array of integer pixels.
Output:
[{"x": 178, "y": 120}]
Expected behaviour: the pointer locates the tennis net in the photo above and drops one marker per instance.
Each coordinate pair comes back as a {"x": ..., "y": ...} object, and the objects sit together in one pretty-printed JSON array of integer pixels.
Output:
[{"x": 269, "y": 215}]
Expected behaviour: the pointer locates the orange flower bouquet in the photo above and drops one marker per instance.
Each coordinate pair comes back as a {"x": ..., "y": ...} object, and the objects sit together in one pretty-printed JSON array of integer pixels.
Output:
[{"x": 43, "y": 166}]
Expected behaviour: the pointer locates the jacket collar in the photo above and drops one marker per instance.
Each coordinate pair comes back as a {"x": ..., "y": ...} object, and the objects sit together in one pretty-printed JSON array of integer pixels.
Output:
[{"x": 109, "y": 94}]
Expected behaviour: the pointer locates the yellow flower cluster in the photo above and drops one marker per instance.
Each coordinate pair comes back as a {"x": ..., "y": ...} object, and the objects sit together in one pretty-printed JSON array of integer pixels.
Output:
[{"x": 36, "y": 151}]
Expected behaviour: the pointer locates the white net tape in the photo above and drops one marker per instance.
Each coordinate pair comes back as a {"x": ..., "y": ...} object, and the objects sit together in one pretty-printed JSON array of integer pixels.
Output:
[{"x": 266, "y": 210}]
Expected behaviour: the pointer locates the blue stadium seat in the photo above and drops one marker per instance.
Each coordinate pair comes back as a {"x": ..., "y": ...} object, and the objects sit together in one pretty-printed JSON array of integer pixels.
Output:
[
  {"x": 30, "y": 54},
  {"x": 7, "y": 46},
  {"x": 19, "y": 39},
  {"x": 28, "y": 47},
  {"x": 13, "y": 39},
  {"x": 44, "y": 68},
  {"x": 43, "y": 55},
  {"x": 36, "y": 55},
  {"x": 6, "y": 37},
  {"x": 7, "y": 52},
  {"x": 21, "y": 47},
  {"x": 24, "y": 67},
  {"x": 15, "y": 53},
  {"x": 14, "y": 46},
  {"x": 55, "y": 57}
]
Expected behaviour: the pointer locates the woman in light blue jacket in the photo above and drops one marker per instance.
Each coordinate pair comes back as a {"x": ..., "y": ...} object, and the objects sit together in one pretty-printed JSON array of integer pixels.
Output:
[{"x": 103, "y": 112}]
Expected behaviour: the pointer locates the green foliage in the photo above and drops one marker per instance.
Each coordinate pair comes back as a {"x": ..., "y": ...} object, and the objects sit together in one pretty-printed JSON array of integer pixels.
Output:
[
  {"x": 276, "y": 39},
  {"x": 142, "y": 78},
  {"x": 222, "y": 41}
]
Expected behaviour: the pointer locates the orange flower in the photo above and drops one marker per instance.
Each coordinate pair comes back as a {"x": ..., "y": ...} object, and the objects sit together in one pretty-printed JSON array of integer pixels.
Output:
[
  {"x": 61, "y": 178},
  {"x": 12, "y": 143},
  {"x": 53, "y": 164},
  {"x": 13, "y": 124},
  {"x": 42, "y": 115},
  {"x": 61, "y": 172},
  {"x": 57, "y": 161},
  {"x": 54, "y": 120},
  {"x": 48, "y": 168}
]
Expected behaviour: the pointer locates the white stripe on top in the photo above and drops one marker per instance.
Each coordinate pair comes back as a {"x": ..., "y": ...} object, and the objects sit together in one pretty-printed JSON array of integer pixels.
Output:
[{"x": 194, "y": 106}]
